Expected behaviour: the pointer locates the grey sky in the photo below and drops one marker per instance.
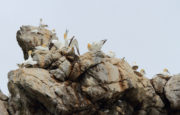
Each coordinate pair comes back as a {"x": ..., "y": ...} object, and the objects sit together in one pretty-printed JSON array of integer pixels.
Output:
[{"x": 145, "y": 31}]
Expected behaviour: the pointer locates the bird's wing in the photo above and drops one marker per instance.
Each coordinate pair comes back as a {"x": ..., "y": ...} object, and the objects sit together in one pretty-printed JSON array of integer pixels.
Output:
[
  {"x": 71, "y": 41},
  {"x": 102, "y": 42},
  {"x": 75, "y": 43},
  {"x": 58, "y": 44}
]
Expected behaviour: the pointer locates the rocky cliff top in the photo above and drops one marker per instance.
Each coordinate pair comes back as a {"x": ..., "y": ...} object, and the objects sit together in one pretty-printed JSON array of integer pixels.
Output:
[{"x": 92, "y": 83}]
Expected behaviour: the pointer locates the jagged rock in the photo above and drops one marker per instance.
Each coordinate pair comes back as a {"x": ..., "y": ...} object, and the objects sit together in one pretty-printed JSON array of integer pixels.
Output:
[
  {"x": 159, "y": 83},
  {"x": 46, "y": 59},
  {"x": 3, "y": 97},
  {"x": 92, "y": 83},
  {"x": 3, "y": 108},
  {"x": 37, "y": 85},
  {"x": 172, "y": 91}
]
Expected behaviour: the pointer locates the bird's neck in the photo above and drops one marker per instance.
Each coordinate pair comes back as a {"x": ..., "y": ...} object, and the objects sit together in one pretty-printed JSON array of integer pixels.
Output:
[{"x": 66, "y": 42}]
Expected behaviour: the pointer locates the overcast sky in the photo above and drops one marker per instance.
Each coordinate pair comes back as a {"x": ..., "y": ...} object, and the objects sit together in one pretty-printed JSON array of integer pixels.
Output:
[{"x": 145, "y": 31}]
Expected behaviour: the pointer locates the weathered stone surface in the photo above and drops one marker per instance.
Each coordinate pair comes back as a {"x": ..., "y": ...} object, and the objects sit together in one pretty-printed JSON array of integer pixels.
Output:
[
  {"x": 3, "y": 97},
  {"x": 172, "y": 91},
  {"x": 159, "y": 83},
  {"x": 3, "y": 108},
  {"x": 40, "y": 87},
  {"x": 93, "y": 83},
  {"x": 29, "y": 37}
]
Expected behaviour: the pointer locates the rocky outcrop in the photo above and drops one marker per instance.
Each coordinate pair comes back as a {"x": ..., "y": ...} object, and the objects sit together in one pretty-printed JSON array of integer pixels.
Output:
[
  {"x": 3, "y": 104},
  {"x": 93, "y": 83},
  {"x": 172, "y": 92}
]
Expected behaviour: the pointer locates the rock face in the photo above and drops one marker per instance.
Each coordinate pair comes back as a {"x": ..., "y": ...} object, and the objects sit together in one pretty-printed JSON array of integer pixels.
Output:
[
  {"x": 93, "y": 83},
  {"x": 172, "y": 92},
  {"x": 3, "y": 104}
]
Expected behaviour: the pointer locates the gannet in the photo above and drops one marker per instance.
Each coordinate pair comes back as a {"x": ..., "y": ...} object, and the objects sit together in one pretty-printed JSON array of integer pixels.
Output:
[
  {"x": 96, "y": 46},
  {"x": 53, "y": 30},
  {"x": 134, "y": 66},
  {"x": 73, "y": 43},
  {"x": 142, "y": 71},
  {"x": 165, "y": 72},
  {"x": 111, "y": 54},
  {"x": 59, "y": 44},
  {"x": 29, "y": 61},
  {"x": 66, "y": 39},
  {"x": 43, "y": 48},
  {"x": 41, "y": 25}
]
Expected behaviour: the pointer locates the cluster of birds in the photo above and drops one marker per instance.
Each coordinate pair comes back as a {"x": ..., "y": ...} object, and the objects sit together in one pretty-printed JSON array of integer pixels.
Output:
[
  {"x": 135, "y": 67},
  {"x": 69, "y": 44}
]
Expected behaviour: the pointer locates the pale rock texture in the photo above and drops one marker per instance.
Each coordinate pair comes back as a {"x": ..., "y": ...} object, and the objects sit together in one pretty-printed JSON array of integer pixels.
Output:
[
  {"x": 29, "y": 37},
  {"x": 63, "y": 83},
  {"x": 172, "y": 92},
  {"x": 3, "y": 104}
]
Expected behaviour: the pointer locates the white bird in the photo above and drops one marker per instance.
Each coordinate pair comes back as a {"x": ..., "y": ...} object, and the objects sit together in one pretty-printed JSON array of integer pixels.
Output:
[
  {"x": 29, "y": 61},
  {"x": 66, "y": 39},
  {"x": 142, "y": 71},
  {"x": 53, "y": 30},
  {"x": 73, "y": 43},
  {"x": 41, "y": 25},
  {"x": 59, "y": 44},
  {"x": 96, "y": 46},
  {"x": 165, "y": 72},
  {"x": 111, "y": 54},
  {"x": 134, "y": 66},
  {"x": 42, "y": 48}
]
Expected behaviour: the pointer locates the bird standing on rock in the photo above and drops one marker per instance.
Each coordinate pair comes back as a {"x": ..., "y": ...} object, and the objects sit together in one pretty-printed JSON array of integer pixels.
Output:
[
  {"x": 66, "y": 39},
  {"x": 96, "y": 46},
  {"x": 142, "y": 71},
  {"x": 29, "y": 61},
  {"x": 41, "y": 25},
  {"x": 135, "y": 66},
  {"x": 69, "y": 45},
  {"x": 59, "y": 44},
  {"x": 166, "y": 72},
  {"x": 73, "y": 42}
]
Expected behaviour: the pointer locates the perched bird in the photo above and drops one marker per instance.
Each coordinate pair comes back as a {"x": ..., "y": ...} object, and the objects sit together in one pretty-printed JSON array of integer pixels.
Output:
[
  {"x": 41, "y": 25},
  {"x": 65, "y": 38},
  {"x": 96, "y": 46},
  {"x": 111, "y": 54},
  {"x": 59, "y": 44},
  {"x": 43, "y": 48},
  {"x": 134, "y": 66},
  {"x": 29, "y": 61},
  {"x": 165, "y": 72},
  {"x": 73, "y": 42},
  {"x": 142, "y": 71},
  {"x": 53, "y": 30}
]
